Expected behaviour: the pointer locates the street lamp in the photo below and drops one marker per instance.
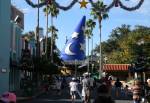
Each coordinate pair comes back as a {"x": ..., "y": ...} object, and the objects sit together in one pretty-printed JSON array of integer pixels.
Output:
[
  {"x": 37, "y": 34},
  {"x": 105, "y": 59},
  {"x": 140, "y": 59},
  {"x": 92, "y": 68}
]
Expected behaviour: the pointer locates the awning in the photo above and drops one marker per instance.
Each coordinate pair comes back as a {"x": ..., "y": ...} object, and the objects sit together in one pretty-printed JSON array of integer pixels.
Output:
[{"x": 116, "y": 67}]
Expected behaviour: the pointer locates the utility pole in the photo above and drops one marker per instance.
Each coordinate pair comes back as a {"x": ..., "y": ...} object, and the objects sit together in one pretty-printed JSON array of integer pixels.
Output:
[
  {"x": 46, "y": 44},
  {"x": 37, "y": 35}
]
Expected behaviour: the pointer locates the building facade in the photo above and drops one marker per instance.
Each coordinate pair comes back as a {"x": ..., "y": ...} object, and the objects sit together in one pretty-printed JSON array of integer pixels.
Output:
[
  {"x": 17, "y": 26},
  {"x": 5, "y": 33}
]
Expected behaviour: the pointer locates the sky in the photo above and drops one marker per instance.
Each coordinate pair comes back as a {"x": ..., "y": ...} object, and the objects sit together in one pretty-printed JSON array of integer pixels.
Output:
[{"x": 67, "y": 21}]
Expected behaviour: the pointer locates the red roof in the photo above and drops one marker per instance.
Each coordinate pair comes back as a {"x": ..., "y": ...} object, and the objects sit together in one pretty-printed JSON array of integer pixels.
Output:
[{"x": 115, "y": 67}]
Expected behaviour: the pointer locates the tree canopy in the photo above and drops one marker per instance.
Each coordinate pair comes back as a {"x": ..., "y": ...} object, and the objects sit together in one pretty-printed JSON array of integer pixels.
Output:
[{"x": 125, "y": 44}]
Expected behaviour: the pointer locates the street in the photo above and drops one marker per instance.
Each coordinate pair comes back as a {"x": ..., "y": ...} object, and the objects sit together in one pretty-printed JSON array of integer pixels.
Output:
[
  {"x": 67, "y": 101},
  {"x": 53, "y": 97}
]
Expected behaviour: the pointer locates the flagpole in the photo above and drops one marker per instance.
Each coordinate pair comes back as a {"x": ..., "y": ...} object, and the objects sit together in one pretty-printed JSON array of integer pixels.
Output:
[{"x": 75, "y": 68}]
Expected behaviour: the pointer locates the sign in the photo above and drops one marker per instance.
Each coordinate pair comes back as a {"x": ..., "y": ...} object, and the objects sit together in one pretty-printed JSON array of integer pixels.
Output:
[{"x": 3, "y": 70}]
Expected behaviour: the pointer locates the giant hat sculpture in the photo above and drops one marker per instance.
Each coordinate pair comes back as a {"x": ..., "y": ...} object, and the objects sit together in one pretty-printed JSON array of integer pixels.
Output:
[
  {"x": 75, "y": 46},
  {"x": 74, "y": 50}
]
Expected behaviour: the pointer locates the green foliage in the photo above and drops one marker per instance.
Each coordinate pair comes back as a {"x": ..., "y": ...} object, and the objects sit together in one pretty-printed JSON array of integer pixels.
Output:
[
  {"x": 123, "y": 44},
  {"x": 51, "y": 9},
  {"x": 90, "y": 25},
  {"x": 44, "y": 66},
  {"x": 29, "y": 35},
  {"x": 54, "y": 30},
  {"x": 98, "y": 11}
]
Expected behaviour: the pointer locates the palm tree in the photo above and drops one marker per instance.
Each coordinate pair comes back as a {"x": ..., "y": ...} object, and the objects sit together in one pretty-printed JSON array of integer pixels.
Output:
[
  {"x": 99, "y": 12},
  {"x": 90, "y": 24},
  {"x": 53, "y": 11},
  {"x": 54, "y": 30},
  {"x": 46, "y": 10}
]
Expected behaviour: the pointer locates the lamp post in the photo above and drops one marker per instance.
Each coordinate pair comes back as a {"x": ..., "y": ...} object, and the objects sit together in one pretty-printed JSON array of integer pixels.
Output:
[
  {"x": 46, "y": 43},
  {"x": 92, "y": 68},
  {"x": 105, "y": 59},
  {"x": 140, "y": 59},
  {"x": 37, "y": 34},
  {"x": 75, "y": 68}
]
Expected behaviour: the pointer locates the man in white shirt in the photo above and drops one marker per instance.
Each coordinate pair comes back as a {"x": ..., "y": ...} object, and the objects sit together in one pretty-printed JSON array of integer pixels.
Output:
[
  {"x": 86, "y": 89},
  {"x": 73, "y": 89},
  {"x": 91, "y": 83}
]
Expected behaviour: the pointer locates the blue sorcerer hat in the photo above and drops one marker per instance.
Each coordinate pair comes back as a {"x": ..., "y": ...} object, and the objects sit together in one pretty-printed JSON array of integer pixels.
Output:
[{"x": 75, "y": 46}]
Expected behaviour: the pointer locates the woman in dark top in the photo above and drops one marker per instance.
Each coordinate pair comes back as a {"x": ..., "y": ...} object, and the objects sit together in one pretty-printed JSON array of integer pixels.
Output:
[{"x": 118, "y": 86}]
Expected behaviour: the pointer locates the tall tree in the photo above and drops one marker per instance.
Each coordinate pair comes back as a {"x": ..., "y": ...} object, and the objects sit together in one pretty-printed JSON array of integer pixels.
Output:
[
  {"x": 90, "y": 24},
  {"x": 53, "y": 11},
  {"x": 123, "y": 45},
  {"x": 99, "y": 12}
]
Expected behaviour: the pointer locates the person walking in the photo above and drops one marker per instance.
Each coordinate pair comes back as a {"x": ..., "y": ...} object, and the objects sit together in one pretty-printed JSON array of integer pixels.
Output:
[
  {"x": 148, "y": 90},
  {"x": 91, "y": 82},
  {"x": 73, "y": 89},
  {"x": 118, "y": 86},
  {"x": 86, "y": 89},
  {"x": 58, "y": 86},
  {"x": 137, "y": 91}
]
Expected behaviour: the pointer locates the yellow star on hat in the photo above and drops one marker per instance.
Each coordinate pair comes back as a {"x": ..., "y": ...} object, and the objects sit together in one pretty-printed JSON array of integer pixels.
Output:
[{"x": 83, "y": 3}]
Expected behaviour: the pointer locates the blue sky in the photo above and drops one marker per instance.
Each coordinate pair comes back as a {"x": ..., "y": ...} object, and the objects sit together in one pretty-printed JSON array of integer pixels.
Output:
[{"x": 67, "y": 21}]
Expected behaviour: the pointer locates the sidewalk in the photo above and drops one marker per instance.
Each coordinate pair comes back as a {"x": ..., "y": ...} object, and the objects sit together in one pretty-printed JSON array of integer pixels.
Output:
[
  {"x": 25, "y": 98},
  {"x": 123, "y": 101}
]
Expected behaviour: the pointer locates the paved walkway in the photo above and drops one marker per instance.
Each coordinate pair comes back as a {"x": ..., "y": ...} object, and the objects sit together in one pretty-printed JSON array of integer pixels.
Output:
[{"x": 53, "y": 97}]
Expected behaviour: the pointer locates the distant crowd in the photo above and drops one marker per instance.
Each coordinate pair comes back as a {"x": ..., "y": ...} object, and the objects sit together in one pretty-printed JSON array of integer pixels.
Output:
[{"x": 86, "y": 85}]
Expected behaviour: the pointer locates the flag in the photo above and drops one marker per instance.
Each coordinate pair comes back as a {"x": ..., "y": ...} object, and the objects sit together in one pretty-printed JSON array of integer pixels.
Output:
[{"x": 75, "y": 46}]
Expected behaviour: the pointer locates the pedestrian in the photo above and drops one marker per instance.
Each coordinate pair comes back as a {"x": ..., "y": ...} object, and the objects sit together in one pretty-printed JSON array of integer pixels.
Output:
[
  {"x": 103, "y": 94},
  {"x": 148, "y": 90},
  {"x": 8, "y": 97},
  {"x": 107, "y": 79},
  {"x": 73, "y": 89},
  {"x": 126, "y": 90},
  {"x": 137, "y": 91},
  {"x": 86, "y": 89},
  {"x": 58, "y": 86},
  {"x": 91, "y": 82},
  {"x": 118, "y": 86}
]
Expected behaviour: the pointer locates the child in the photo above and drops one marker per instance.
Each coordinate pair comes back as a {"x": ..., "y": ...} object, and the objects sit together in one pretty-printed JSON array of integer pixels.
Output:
[{"x": 126, "y": 90}]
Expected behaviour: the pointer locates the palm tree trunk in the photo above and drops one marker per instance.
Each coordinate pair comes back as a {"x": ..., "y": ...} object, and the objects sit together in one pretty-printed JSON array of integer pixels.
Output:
[
  {"x": 100, "y": 48},
  {"x": 46, "y": 33},
  {"x": 92, "y": 50},
  {"x": 88, "y": 70},
  {"x": 52, "y": 40}
]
